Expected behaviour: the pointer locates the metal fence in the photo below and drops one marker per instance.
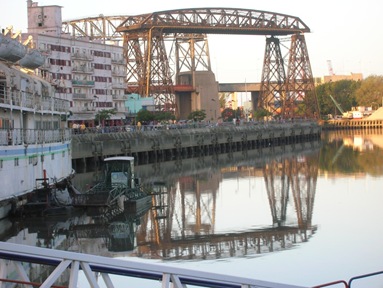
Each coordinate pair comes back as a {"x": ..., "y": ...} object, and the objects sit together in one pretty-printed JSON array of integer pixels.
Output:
[
  {"x": 9, "y": 137},
  {"x": 14, "y": 259}
]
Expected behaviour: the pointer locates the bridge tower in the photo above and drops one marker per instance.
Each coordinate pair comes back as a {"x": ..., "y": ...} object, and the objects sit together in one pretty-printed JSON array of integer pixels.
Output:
[
  {"x": 290, "y": 94},
  {"x": 148, "y": 70},
  {"x": 193, "y": 69},
  {"x": 273, "y": 91},
  {"x": 301, "y": 100}
]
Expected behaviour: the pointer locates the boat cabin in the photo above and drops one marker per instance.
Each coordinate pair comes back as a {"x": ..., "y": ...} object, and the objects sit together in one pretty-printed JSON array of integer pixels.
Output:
[{"x": 119, "y": 171}]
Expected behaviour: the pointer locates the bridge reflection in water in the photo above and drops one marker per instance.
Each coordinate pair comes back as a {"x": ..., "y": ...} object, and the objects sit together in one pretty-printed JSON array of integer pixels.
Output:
[{"x": 181, "y": 224}]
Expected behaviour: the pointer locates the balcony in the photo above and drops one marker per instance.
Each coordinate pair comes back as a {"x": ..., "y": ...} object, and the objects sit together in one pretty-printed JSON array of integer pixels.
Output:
[
  {"x": 82, "y": 56},
  {"x": 83, "y": 70},
  {"x": 121, "y": 110},
  {"x": 82, "y": 83},
  {"x": 119, "y": 97},
  {"x": 118, "y": 85},
  {"x": 79, "y": 96},
  {"x": 83, "y": 110},
  {"x": 118, "y": 61},
  {"x": 117, "y": 73}
]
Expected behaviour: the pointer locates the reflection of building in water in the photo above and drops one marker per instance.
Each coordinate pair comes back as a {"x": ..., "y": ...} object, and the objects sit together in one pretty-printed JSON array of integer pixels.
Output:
[
  {"x": 361, "y": 140},
  {"x": 355, "y": 153},
  {"x": 187, "y": 230},
  {"x": 358, "y": 142}
]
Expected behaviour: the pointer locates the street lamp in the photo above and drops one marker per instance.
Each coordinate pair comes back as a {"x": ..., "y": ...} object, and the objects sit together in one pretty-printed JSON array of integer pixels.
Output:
[
  {"x": 98, "y": 113},
  {"x": 134, "y": 104},
  {"x": 215, "y": 109}
]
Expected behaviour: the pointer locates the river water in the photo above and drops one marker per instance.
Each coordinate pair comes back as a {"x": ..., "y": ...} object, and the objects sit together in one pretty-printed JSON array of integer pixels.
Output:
[{"x": 305, "y": 214}]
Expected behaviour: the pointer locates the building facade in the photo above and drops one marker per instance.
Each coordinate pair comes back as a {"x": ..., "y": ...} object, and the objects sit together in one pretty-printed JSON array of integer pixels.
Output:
[{"x": 91, "y": 75}]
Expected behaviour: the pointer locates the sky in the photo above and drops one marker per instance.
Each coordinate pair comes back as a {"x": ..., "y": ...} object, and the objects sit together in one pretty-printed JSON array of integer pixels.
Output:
[{"x": 349, "y": 35}]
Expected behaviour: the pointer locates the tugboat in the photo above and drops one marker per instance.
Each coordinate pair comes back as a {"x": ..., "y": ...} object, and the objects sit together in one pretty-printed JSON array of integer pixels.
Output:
[{"x": 118, "y": 192}]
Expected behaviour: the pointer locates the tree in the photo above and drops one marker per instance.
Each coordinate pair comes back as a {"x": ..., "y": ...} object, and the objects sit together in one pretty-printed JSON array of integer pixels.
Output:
[
  {"x": 103, "y": 115},
  {"x": 261, "y": 113},
  {"x": 342, "y": 91},
  {"x": 370, "y": 92},
  {"x": 144, "y": 116},
  {"x": 164, "y": 116},
  {"x": 197, "y": 115},
  {"x": 222, "y": 100},
  {"x": 228, "y": 114}
]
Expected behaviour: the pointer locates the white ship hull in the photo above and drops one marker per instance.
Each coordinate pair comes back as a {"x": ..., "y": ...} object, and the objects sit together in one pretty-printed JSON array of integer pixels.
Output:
[
  {"x": 31, "y": 172},
  {"x": 35, "y": 145}
]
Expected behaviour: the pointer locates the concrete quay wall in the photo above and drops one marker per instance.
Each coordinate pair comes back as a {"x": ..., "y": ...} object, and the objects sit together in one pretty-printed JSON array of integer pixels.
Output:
[
  {"x": 343, "y": 124},
  {"x": 162, "y": 145}
]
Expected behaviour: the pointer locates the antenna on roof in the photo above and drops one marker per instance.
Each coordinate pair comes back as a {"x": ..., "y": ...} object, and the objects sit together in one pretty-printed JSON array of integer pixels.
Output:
[{"x": 330, "y": 70}]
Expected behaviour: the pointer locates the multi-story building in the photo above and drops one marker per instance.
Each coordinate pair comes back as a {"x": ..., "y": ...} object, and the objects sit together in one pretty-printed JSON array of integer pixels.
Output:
[
  {"x": 91, "y": 75},
  {"x": 334, "y": 78}
]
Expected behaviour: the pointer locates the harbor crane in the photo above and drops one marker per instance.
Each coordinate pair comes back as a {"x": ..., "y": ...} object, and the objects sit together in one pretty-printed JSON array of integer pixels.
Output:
[{"x": 346, "y": 114}]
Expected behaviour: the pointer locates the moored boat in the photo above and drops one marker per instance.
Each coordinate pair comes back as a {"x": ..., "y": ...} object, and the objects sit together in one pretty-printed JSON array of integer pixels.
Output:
[
  {"x": 118, "y": 193},
  {"x": 35, "y": 148}
]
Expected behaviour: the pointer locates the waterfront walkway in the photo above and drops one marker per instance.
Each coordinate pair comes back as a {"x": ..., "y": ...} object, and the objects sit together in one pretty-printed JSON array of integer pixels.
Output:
[{"x": 156, "y": 145}]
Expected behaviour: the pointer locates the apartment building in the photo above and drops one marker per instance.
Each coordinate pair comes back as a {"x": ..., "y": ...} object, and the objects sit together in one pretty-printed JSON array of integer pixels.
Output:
[{"x": 91, "y": 75}]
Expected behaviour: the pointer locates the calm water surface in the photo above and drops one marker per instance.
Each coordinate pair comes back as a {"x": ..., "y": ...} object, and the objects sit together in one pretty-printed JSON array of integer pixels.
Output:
[{"x": 305, "y": 214}]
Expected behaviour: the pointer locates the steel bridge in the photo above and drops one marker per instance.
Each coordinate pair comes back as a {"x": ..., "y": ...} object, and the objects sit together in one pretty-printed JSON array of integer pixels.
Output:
[{"x": 166, "y": 50}]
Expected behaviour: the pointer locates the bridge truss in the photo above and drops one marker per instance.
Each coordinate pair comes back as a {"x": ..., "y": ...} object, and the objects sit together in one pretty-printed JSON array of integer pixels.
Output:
[{"x": 160, "y": 46}]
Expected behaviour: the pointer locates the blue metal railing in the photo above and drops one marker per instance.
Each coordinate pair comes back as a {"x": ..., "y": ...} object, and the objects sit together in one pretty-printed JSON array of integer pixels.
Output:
[
  {"x": 65, "y": 261},
  {"x": 349, "y": 283}
]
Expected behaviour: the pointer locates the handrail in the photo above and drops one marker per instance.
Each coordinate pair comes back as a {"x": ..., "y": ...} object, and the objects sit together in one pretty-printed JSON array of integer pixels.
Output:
[
  {"x": 363, "y": 276},
  {"x": 348, "y": 285},
  {"x": 74, "y": 262},
  {"x": 332, "y": 283}
]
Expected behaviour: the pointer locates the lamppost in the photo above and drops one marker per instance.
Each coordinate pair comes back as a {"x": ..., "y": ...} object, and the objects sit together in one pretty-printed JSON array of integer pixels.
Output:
[
  {"x": 98, "y": 113},
  {"x": 134, "y": 105},
  {"x": 215, "y": 109}
]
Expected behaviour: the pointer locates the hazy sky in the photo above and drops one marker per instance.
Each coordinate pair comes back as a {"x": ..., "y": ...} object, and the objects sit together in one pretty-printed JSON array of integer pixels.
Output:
[{"x": 347, "y": 33}]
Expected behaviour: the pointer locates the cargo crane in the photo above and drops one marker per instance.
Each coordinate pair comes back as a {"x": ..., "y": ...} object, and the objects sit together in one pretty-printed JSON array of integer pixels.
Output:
[{"x": 347, "y": 114}]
